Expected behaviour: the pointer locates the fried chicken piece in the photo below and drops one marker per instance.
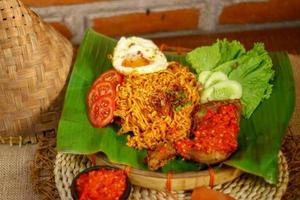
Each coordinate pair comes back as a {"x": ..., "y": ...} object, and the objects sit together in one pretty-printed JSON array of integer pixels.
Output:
[
  {"x": 188, "y": 149},
  {"x": 215, "y": 133},
  {"x": 160, "y": 156}
]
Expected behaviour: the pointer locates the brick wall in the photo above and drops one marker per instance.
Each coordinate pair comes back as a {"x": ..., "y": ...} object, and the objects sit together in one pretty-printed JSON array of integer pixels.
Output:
[{"x": 165, "y": 18}]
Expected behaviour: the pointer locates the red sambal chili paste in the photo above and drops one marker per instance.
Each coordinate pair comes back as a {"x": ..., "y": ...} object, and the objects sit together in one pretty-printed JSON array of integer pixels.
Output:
[
  {"x": 217, "y": 131},
  {"x": 101, "y": 184}
]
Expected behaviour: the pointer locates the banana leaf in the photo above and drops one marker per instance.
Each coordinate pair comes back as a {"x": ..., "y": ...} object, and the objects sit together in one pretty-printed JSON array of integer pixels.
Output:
[{"x": 259, "y": 139}]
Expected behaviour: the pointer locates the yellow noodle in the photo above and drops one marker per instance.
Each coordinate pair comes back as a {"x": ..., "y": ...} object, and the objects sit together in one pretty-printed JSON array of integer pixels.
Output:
[{"x": 148, "y": 127}]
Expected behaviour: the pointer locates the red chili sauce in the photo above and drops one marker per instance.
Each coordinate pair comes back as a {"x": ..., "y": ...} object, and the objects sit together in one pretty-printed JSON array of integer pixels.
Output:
[
  {"x": 217, "y": 131},
  {"x": 102, "y": 184}
]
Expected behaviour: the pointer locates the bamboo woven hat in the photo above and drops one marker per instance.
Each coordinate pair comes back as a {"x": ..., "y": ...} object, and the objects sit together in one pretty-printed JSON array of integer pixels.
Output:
[{"x": 35, "y": 61}]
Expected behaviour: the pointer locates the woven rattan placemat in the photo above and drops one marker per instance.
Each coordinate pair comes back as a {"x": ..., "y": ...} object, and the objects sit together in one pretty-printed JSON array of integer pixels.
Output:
[{"x": 244, "y": 187}]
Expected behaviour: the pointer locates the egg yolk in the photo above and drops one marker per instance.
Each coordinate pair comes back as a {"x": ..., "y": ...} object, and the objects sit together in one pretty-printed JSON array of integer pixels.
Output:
[{"x": 134, "y": 61}]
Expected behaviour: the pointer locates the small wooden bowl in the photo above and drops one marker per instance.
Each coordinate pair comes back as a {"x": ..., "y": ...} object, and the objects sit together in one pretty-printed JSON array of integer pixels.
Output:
[{"x": 74, "y": 194}]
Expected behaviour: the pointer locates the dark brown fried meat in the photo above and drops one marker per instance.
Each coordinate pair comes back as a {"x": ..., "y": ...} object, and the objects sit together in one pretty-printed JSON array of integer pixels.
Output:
[
  {"x": 200, "y": 150},
  {"x": 160, "y": 156},
  {"x": 210, "y": 157}
]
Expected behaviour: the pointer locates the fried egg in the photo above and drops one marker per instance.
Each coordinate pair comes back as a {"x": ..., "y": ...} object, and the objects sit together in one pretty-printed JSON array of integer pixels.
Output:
[{"x": 138, "y": 55}]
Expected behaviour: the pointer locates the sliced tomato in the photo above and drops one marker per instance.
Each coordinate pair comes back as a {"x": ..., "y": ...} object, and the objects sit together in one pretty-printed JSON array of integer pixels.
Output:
[
  {"x": 102, "y": 88},
  {"x": 110, "y": 75},
  {"x": 101, "y": 111}
]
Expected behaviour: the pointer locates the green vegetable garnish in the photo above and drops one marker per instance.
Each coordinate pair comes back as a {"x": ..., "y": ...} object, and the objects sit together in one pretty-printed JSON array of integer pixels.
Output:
[
  {"x": 178, "y": 108},
  {"x": 181, "y": 94},
  {"x": 252, "y": 69},
  {"x": 209, "y": 57},
  {"x": 189, "y": 102}
]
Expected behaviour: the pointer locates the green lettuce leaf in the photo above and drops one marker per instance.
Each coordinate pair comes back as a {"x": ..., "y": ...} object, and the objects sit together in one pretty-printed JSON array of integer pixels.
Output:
[
  {"x": 209, "y": 57},
  {"x": 252, "y": 69}
]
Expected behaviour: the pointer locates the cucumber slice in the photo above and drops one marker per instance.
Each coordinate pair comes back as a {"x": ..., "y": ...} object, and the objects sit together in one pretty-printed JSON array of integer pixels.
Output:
[
  {"x": 223, "y": 90},
  {"x": 203, "y": 76},
  {"x": 215, "y": 78}
]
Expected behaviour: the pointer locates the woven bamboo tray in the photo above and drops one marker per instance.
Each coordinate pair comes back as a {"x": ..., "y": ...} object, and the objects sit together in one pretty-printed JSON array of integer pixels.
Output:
[
  {"x": 180, "y": 181},
  {"x": 244, "y": 187}
]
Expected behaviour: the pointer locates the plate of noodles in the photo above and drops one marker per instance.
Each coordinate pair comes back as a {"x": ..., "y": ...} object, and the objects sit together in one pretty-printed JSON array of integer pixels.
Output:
[{"x": 160, "y": 113}]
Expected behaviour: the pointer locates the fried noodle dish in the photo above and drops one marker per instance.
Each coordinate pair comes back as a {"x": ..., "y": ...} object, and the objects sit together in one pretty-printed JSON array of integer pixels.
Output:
[{"x": 157, "y": 107}]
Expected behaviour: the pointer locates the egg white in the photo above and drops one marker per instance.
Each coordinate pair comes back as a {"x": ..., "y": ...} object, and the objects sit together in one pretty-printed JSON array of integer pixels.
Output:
[{"x": 131, "y": 46}]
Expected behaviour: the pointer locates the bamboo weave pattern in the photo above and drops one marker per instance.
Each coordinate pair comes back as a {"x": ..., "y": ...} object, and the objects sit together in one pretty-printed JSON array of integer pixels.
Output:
[{"x": 35, "y": 62}]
